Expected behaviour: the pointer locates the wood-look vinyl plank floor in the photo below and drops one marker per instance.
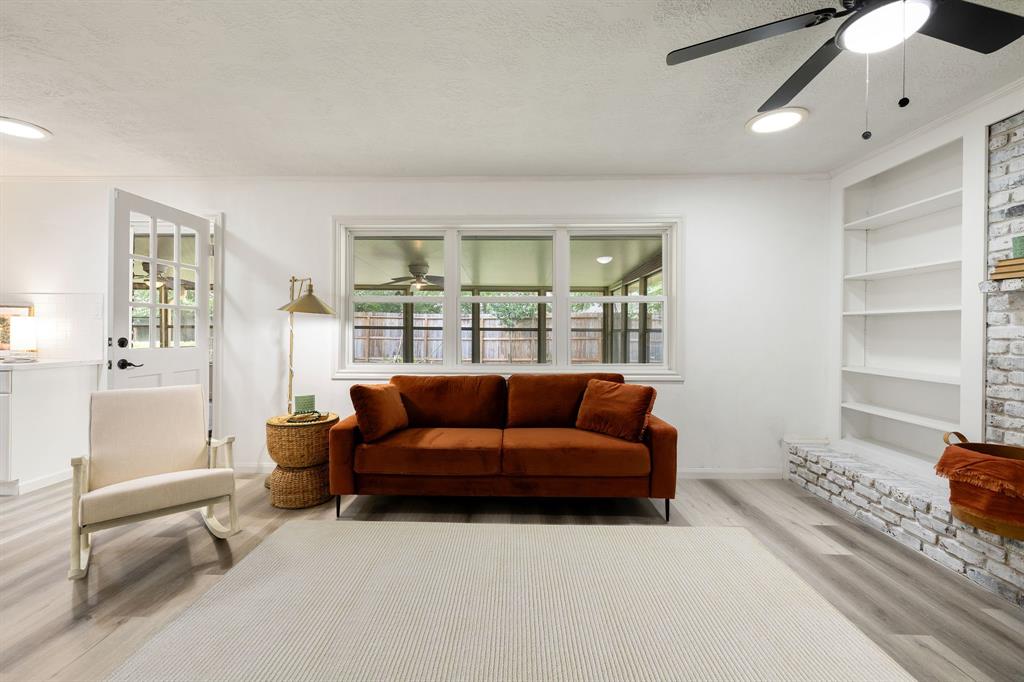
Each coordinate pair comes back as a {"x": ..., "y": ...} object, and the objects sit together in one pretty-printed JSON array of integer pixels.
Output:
[{"x": 936, "y": 624}]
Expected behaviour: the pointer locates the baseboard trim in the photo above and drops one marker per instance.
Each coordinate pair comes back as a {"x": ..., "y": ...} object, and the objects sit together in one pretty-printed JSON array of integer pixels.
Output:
[
  {"x": 730, "y": 473},
  {"x": 43, "y": 481}
]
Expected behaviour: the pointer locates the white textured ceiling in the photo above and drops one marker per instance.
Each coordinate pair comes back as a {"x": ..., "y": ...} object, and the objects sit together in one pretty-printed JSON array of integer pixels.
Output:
[{"x": 445, "y": 87}]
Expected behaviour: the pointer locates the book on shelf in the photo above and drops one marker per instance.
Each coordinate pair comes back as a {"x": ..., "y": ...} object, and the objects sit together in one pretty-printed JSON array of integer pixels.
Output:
[
  {"x": 1009, "y": 262},
  {"x": 1008, "y": 273}
]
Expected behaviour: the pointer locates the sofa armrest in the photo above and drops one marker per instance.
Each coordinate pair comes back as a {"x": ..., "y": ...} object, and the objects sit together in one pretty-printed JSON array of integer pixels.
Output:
[
  {"x": 344, "y": 438},
  {"x": 661, "y": 438}
]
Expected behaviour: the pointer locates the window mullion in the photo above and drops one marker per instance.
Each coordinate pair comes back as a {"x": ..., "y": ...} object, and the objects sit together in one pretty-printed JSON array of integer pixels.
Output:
[
  {"x": 562, "y": 318},
  {"x": 452, "y": 326}
]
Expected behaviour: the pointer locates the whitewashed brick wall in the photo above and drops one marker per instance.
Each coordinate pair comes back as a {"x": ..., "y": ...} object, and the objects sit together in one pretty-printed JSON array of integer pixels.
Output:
[
  {"x": 1004, "y": 385},
  {"x": 911, "y": 515}
]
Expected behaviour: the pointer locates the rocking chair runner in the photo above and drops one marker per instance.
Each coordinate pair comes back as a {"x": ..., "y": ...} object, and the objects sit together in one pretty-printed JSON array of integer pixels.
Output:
[{"x": 148, "y": 457}]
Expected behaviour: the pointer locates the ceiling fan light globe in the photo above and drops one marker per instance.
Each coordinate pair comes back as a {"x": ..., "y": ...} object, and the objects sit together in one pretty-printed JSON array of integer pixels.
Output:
[{"x": 883, "y": 26}]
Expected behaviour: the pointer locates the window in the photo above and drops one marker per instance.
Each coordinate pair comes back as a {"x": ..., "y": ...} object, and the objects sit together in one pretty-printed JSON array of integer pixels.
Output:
[{"x": 504, "y": 296}]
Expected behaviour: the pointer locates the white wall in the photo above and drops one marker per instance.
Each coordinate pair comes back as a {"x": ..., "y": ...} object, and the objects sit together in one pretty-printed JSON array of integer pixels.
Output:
[{"x": 753, "y": 308}]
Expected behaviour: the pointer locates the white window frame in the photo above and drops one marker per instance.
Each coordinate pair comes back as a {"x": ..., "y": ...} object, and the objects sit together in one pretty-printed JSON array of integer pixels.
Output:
[{"x": 560, "y": 229}]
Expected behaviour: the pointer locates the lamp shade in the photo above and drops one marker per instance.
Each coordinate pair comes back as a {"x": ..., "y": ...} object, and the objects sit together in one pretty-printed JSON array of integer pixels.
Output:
[
  {"x": 23, "y": 334},
  {"x": 308, "y": 303}
]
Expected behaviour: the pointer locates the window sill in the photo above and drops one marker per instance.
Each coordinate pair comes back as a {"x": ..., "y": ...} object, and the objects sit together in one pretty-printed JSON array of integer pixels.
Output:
[{"x": 632, "y": 374}]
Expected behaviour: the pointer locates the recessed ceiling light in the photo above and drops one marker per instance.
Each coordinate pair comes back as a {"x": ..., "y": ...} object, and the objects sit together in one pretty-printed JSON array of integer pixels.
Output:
[
  {"x": 604, "y": 260},
  {"x": 885, "y": 25},
  {"x": 16, "y": 128},
  {"x": 777, "y": 120}
]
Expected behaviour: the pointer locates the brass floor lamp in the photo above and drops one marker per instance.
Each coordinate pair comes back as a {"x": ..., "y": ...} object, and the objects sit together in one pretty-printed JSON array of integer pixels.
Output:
[{"x": 306, "y": 302}]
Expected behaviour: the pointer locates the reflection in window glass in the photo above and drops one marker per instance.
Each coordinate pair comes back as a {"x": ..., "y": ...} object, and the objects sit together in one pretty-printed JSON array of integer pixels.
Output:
[
  {"x": 403, "y": 266},
  {"x": 513, "y": 264},
  {"x": 139, "y": 316},
  {"x": 140, "y": 281},
  {"x": 506, "y": 333},
  {"x": 394, "y": 333}
]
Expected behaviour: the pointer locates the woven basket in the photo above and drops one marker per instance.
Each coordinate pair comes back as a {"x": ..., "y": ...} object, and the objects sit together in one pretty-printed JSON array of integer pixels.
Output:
[
  {"x": 974, "y": 497},
  {"x": 299, "y": 444},
  {"x": 298, "y": 488}
]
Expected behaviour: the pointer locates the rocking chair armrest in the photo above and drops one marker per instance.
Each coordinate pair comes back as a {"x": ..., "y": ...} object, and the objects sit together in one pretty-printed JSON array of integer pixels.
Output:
[{"x": 228, "y": 444}]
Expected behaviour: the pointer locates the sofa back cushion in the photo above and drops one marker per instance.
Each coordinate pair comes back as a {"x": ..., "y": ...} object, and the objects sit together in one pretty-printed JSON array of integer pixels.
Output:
[
  {"x": 620, "y": 410},
  {"x": 549, "y": 400},
  {"x": 379, "y": 410},
  {"x": 454, "y": 402}
]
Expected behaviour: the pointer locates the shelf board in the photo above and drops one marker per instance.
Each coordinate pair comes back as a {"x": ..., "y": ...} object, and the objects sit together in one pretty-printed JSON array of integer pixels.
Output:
[
  {"x": 905, "y": 271},
  {"x": 904, "y": 374},
  {"x": 905, "y": 311},
  {"x": 900, "y": 416},
  {"x": 916, "y": 209}
]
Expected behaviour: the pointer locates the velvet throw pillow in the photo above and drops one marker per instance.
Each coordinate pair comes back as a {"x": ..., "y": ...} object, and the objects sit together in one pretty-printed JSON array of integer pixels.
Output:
[
  {"x": 614, "y": 409},
  {"x": 379, "y": 410}
]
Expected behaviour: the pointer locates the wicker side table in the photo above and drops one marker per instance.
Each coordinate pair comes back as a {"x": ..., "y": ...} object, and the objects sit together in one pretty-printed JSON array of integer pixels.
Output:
[{"x": 301, "y": 452}]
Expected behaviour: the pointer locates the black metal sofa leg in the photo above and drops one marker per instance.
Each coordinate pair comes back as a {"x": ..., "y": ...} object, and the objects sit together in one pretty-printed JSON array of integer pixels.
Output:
[
  {"x": 337, "y": 506},
  {"x": 667, "y": 508}
]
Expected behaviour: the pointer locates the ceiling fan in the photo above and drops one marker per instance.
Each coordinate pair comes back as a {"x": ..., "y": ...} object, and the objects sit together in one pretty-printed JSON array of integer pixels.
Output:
[
  {"x": 419, "y": 277},
  {"x": 872, "y": 26}
]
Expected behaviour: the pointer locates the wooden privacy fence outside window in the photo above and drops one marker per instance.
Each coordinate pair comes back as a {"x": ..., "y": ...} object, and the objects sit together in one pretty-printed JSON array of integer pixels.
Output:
[{"x": 379, "y": 338}]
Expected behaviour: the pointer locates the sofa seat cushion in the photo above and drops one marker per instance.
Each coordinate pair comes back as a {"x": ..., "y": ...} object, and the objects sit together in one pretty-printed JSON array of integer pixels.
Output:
[
  {"x": 571, "y": 452},
  {"x": 153, "y": 493},
  {"x": 433, "y": 452}
]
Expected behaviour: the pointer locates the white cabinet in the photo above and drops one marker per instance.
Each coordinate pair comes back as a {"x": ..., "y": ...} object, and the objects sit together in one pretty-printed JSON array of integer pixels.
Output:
[{"x": 44, "y": 421}]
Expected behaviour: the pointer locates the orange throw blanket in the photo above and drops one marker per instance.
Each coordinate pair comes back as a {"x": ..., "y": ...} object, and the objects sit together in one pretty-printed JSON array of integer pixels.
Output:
[{"x": 985, "y": 479}]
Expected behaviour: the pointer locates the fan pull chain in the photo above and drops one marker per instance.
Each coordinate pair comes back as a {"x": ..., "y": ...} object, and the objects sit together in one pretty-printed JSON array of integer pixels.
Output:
[
  {"x": 867, "y": 92},
  {"x": 904, "y": 100}
]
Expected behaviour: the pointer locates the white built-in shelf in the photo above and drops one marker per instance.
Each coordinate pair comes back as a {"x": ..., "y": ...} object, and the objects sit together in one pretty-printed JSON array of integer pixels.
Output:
[
  {"x": 915, "y": 209},
  {"x": 904, "y": 311},
  {"x": 904, "y": 374},
  {"x": 905, "y": 271},
  {"x": 905, "y": 417}
]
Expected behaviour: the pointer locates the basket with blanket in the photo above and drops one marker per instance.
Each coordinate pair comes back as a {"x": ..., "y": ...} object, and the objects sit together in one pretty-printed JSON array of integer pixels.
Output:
[{"x": 986, "y": 484}]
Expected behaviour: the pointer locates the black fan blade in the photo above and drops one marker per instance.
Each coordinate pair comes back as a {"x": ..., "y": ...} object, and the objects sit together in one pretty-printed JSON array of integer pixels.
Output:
[
  {"x": 804, "y": 75},
  {"x": 435, "y": 280},
  {"x": 751, "y": 35},
  {"x": 396, "y": 280},
  {"x": 975, "y": 27}
]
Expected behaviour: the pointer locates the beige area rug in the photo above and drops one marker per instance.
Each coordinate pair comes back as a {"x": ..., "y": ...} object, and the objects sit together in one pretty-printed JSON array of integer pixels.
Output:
[{"x": 347, "y": 600}]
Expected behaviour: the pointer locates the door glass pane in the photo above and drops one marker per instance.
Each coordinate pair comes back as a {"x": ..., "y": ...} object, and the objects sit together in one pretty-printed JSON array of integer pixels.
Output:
[
  {"x": 138, "y": 229},
  {"x": 187, "y": 246},
  {"x": 163, "y": 333},
  {"x": 632, "y": 315},
  {"x": 165, "y": 240},
  {"x": 187, "y": 287},
  {"x": 165, "y": 284},
  {"x": 405, "y": 266},
  {"x": 506, "y": 263},
  {"x": 187, "y": 331},
  {"x": 140, "y": 292},
  {"x": 139, "y": 316},
  {"x": 604, "y": 263}
]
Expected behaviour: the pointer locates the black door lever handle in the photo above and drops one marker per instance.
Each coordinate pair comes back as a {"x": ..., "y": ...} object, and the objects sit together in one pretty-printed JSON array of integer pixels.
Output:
[{"x": 124, "y": 364}]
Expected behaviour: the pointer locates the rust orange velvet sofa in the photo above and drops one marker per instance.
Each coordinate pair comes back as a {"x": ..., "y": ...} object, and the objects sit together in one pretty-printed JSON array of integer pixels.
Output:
[{"x": 485, "y": 435}]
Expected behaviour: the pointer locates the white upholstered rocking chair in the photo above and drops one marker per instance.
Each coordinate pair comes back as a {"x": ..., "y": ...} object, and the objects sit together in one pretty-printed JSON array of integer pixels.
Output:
[{"x": 148, "y": 456}]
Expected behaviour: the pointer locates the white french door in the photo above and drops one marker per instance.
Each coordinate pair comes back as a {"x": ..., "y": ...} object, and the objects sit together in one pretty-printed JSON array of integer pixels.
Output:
[{"x": 159, "y": 321}]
